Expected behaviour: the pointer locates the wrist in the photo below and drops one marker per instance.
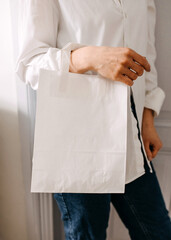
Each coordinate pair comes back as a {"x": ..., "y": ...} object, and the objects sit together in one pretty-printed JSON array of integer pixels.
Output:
[
  {"x": 81, "y": 60},
  {"x": 148, "y": 117}
]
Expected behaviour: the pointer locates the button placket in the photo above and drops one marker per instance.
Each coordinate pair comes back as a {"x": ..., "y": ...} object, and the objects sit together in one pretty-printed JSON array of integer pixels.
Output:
[{"x": 124, "y": 22}]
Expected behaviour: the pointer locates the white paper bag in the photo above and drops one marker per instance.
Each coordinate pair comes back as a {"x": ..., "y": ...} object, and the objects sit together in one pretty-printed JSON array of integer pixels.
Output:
[{"x": 80, "y": 134}]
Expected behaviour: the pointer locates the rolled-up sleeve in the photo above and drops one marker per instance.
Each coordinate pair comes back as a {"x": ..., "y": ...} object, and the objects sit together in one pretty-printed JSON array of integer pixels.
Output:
[
  {"x": 37, "y": 34},
  {"x": 154, "y": 96}
]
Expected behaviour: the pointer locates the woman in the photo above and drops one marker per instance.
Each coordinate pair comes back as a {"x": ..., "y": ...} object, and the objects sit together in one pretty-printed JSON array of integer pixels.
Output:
[{"x": 115, "y": 39}]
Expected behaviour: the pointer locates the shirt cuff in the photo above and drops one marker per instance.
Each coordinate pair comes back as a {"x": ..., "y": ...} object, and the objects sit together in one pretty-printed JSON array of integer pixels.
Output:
[{"x": 154, "y": 100}]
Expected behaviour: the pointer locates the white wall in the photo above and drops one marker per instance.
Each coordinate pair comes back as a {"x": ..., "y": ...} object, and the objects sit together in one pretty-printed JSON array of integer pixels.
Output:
[{"x": 12, "y": 195}]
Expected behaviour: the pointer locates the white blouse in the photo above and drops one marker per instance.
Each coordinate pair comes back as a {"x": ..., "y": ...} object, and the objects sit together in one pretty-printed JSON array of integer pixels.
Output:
[{"x": 50, "y": 29}]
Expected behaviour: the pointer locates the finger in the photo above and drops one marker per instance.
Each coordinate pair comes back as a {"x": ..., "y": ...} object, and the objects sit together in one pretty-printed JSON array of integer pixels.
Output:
[
  {"x": 148, "y": 152},
  {"x": 129, "y": 73},
  {"x": 136, "y": 67},
  {"x": 151, "y": 147},
  {"x": 140, "y": 59},
  {"x": 125, "y": 79},
  {"x": 154, "y": 152}
]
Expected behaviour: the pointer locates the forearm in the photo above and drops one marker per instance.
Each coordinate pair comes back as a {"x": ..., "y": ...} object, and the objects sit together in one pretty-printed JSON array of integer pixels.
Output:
[{"x": 148, "y": 117}]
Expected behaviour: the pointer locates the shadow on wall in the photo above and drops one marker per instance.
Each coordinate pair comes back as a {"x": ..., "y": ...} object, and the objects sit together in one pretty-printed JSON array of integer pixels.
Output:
[{"x": 12, "y": 196}]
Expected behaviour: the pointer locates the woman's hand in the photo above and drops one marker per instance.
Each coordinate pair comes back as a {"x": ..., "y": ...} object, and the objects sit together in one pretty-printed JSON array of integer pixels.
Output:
[
  {"x": 116, "y": 63},
  {"x": 152, "y": 142}
]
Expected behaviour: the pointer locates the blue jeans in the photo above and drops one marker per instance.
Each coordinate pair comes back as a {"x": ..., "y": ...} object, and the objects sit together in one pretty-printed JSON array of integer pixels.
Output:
[{"x": 141, "y": 208}]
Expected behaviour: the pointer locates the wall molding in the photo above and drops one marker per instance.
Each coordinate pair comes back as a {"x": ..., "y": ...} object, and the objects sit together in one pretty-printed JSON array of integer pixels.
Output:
[
  {"x": 163, "y": 120},
  {"x": 165, "y": 151}
]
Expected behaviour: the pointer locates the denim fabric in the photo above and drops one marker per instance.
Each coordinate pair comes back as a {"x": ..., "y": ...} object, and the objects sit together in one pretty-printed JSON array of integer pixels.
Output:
[{"x": 141, "y": 208}]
